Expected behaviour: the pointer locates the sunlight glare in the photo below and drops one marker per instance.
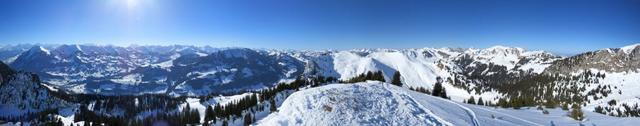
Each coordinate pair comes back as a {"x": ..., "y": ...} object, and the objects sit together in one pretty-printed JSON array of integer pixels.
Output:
[{"x": 132, "y": 3}]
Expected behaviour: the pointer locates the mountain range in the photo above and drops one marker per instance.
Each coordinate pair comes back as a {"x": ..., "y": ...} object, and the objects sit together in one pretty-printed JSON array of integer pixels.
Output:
[{"x": 494, "y": 74}]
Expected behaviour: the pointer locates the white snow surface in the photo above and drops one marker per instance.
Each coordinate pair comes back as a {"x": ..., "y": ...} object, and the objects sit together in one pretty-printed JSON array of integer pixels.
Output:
[
  {"x": 376, "y": 103},
  {"x": 625, "y": 89},
  {"x": 629, "y": 48},
  {"x": 351, "y": 105},
  {"x": 421, "y": 67}
]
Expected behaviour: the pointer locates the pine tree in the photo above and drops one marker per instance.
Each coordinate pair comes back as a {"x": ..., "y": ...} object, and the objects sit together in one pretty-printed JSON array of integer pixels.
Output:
[
  {"x": 480, "y": 102},
  {"x": 599, "y": 109},
  {"x": 224, "y": 123},
  {"x": 272, "y": 106},
  {"x": 380, "y": 76},
  {"x": 248, "y": 119},
  {"x": 60, "y": 122},
  {"x": 437, "y": 88},
  {"x": 208, "y": 116},
  {"x": 471, "y": 100},
  {"x": 396, "y": 79},
  {"x": 444, "y": 93}
]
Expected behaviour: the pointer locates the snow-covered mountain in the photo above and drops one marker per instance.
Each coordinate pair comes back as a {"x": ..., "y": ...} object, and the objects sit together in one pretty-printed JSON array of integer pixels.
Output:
[
  {"x": 156, "y": 69},
  {"x": 616, "y": 81},
  {"x": 376, "y": 103},
  {"x": 624, "y": 59},
  {"x": 463, "y": 69},
  {"x": 23, "y": 94},
  {"x": 195, "y": 70},
  {"x": 502, "y": 76},
  {"x": 9, "y": 53}
]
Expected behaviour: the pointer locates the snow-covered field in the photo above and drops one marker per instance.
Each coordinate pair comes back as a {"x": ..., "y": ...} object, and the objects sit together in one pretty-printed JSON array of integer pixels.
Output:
[{"x": 376, "y": 103}]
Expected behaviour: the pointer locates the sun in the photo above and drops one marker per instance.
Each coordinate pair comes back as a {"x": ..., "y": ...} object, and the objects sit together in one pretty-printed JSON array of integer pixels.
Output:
[{"x": 132, "y": 3}]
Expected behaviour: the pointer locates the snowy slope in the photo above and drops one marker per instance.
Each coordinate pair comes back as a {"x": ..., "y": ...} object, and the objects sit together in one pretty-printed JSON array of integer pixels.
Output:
[
  {"x": 22, "y": 93},
  {"x": 421, "y": 67},
  {"x": 375, "y": 103},
  {"x": 624, "y": 89},
  {"x": 350, "y": 105},
  {"x": 193, "y": 70}
]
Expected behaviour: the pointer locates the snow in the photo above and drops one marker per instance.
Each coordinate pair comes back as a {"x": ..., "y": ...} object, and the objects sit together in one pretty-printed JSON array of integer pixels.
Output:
[
  {"x": 375, "y": 103},
  {"x": 11, "y": 59},
  {"x": 629, "y": 48},
  {"x": 44, "y": 50},
  {"x": 625, "y": 82},
  {"x": 536, "y": 68},
  {"x": 500, "y": 55},
  {"x": 131, "y": 79},
  {"x": 194, "y": 103},
  {"x": 167, "y": 64},
  {"x": 350, "y": 105},
  {"x": 416, "y": 68},
  {"x": 66, "y": 115},
  {"x": 350, "y": 65}
]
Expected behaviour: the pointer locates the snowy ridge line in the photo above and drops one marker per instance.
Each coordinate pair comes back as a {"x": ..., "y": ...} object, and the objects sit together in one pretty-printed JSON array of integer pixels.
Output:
[{"x": 421, "y": 107}]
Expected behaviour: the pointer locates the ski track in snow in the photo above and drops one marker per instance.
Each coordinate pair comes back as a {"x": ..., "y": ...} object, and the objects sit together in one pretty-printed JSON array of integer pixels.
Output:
[
  {"x": 508, "y": 115},
  {"x": 469, "y": 112}
]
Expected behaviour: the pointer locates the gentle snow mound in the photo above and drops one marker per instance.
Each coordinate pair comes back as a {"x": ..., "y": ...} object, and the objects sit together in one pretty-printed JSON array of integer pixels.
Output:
[{"x": 351, "y": 104}]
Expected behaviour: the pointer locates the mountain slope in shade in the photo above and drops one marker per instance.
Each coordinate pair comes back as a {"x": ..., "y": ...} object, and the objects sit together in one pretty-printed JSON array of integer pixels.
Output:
[
  {"x": 342, "y": 103},
  {"x": 9, "y": 53},
  {"x": 22, "y": 93},
  {"x": 179, "y": 70}
]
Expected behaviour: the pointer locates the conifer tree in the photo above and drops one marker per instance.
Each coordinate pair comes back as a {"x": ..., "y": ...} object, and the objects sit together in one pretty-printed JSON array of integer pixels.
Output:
[
  {"x": 380, "y": 76},
  {"x": 208, "y": 116},
  {"x": 438, "y": 90},
  {"x": 272, "y": 107},
  {"x": 444, "y": 93},
  {"x": 471, "y": 100},
  {"x": 396, "y": 79},
  {"x": 248, "y": 119},
  {"x": 224, "y": 123}
]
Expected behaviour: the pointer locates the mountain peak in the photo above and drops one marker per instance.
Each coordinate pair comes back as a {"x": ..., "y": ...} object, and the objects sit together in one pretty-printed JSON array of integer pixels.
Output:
[
  {"x": 38, "y": 49},
  {"x": 630, "y": 48},
  {"x": 68, "y": 49},
  {"x": 500, "y": 47}
]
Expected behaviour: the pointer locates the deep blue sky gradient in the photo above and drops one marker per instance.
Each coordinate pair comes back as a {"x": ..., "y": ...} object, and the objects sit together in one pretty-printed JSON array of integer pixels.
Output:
[{"x": 560, "y": 26}]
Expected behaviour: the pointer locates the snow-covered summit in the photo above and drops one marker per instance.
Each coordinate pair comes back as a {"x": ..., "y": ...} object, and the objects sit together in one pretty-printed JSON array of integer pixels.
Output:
[
  {"x": 375, "y": 103},
  {"x": 352, "y": 104}
]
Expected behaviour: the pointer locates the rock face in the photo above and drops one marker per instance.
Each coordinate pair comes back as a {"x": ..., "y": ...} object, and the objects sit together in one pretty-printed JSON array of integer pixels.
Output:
[{"x": 611, "y": 60}]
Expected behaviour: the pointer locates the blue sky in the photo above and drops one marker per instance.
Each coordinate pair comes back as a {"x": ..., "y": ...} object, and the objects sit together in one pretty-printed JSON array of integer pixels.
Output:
[{"x": 559, "y": 26}]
